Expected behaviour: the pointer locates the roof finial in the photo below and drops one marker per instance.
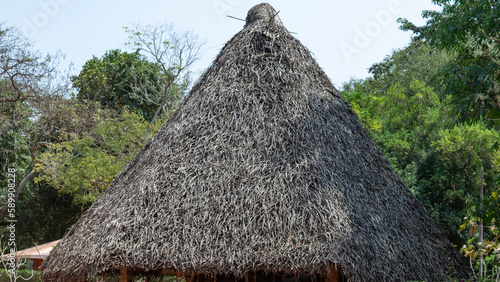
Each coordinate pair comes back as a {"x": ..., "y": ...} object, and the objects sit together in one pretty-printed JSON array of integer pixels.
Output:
[{"x": 262, "y": 11}]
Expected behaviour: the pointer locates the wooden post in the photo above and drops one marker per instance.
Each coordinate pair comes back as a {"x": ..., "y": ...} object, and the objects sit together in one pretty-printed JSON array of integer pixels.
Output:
[
  {"x": 126, "y": 274},
  {"x": 181, "y": 274},
  {"x": 333, "y": 275}
]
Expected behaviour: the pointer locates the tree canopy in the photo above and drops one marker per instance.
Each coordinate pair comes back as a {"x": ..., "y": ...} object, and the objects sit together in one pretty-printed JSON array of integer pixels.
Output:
[
  {"x": 120, "y": 79},
  {"x": 411, "y": 114},
  {"x": 470, "y": 32}
]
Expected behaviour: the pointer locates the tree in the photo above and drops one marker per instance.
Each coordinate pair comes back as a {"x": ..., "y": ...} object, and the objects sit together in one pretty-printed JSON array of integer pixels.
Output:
[
  {"x": 44, "y": 214},
  {"x": 35, "y": 111},
  {"x": 408, "y": 114},
  {"x": 84, "y": 166},
  {"x": 401, "y": 105},
  {"x": 173, "y": 50},
  {"x": 418, "y": 61},
  {"x": 409, "y": 117},
  {"x": 73, "y": 145},
  {"x": 450, "y": 174},
  {"x": 470, "y": 32},
  {"x": 130, "y": 95},
  {"x": 29, "y": 84},
  {"x": 120, "y": 79}
]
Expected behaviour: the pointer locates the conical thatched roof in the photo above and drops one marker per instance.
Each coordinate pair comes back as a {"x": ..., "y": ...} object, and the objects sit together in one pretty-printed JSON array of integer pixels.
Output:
[{"x": 263, "y": 167}]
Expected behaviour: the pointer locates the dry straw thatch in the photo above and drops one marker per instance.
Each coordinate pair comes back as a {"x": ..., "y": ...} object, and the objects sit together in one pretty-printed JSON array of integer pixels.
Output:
[{"x": 263, "y": 167}]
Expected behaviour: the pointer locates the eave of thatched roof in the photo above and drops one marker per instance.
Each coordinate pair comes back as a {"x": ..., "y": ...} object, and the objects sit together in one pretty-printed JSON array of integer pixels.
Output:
[{"x": 263, "y": 167}]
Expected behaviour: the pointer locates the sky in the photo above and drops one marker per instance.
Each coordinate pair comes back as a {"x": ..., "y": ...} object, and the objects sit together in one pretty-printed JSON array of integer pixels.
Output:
[{"x": 346, "y": 37}]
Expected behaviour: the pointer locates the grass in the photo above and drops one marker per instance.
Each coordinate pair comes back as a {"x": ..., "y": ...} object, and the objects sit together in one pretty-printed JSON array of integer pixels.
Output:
[{"x": 21, "y": 273}]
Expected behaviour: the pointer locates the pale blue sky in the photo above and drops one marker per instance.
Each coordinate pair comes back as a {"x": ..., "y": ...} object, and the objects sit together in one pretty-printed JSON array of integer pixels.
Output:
[{"x": 346, "y": 37}]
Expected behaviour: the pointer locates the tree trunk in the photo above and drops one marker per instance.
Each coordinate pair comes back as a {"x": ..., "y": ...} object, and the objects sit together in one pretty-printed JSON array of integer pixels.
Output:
[{"x": 26, "y": 179}]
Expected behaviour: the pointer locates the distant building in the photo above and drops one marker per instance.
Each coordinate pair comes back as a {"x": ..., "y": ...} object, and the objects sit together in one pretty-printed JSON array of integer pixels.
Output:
[{"x": 34, "y": 254}]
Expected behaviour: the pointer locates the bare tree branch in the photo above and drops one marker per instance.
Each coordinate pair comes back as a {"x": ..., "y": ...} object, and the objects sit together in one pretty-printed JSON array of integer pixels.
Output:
[
  {"x": 174, "y": 51},
  {"x": 31, "y": 91}
]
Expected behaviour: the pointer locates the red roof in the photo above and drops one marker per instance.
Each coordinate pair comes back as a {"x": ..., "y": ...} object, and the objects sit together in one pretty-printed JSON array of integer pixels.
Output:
[{"x": 37, "y": 252}]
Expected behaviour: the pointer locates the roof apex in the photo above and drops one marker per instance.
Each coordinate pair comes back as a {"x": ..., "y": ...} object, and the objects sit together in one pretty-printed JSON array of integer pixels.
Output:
[{"x": 262, "y": 11}]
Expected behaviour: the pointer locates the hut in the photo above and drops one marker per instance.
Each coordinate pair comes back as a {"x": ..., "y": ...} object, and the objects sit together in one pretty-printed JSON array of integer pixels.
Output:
[{"x": 264, "y": 173}]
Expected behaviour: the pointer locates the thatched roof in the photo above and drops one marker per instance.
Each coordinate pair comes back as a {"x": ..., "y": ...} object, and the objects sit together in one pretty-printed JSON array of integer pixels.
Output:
[{"x": 263, "y": 167}]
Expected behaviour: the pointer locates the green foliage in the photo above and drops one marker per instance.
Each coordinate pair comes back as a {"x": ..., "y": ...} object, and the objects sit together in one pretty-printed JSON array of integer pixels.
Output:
[
  {"x": 408, "y": 112},
  {"x": 84, "y": 167},
  {"x": 43, "y": 215},
  {"x": 489, "y": 248},
  {"x": 465, "y": 148},
  {"x": 449, "y": 175},
  {"x": 120, "y": 79},
  {"x": 411, "y": 116},
  {"x": 76, "y": 144},
  {"x": 365, "y": 106},
  {"x": 25, "y": 274},
  {"x": 33, "y": 113},
  {"x": 483, "y": 153},
  {"x": 413, "y": 123},
  {"x": 470, "y": 32},
  {"x": 407, "y": 107},
  {"x": 402, "y": 120},
  {"x": 418, "y": 61}
]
